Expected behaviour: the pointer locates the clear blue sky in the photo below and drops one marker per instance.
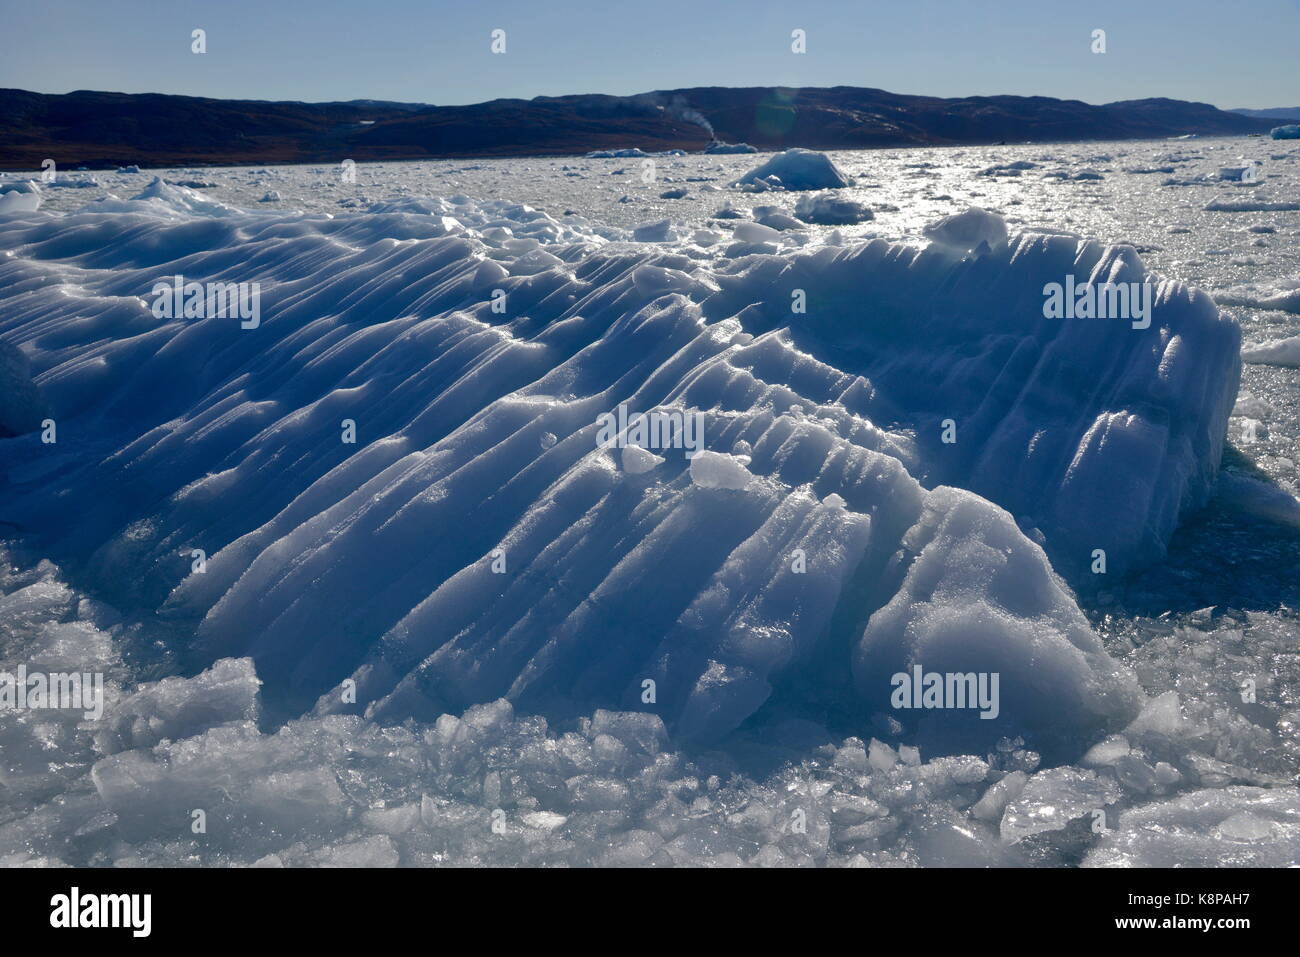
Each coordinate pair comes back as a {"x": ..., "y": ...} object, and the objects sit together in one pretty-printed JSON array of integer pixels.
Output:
[{"x": 434, "y": 51}]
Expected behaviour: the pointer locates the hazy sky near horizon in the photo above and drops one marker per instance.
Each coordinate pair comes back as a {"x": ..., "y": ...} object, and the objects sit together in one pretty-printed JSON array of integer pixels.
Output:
[{"x": 433, "y": 51}]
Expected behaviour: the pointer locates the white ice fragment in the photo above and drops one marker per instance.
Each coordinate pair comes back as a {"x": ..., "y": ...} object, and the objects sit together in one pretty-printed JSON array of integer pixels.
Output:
[
  {"x": 991, "y": 806},
  {"x": 544, "y": 820},
  {"x": 1252, "y": 406},
  {"x": 829, "y": 209},
  {"x": 1249, "y": 206},
  {"x": 1053, "y": 798},
  {"x": 1161, "y": 715},
  {"x": 1278, "y": 352},
  {"x": 756, "y": 233},
  {"x": 661, "y": 231},
  {"x": 1107, "y": 752},
  {"x": 881, "y": 755},
  {"x": 23, "y": 196},
  {"x": 638, "y": 461},
  {"x": 1247, "y": 827},
  {"x": 181, "y": 707},
  {"x": 718, "y": 470},
  {"x": 1282, "y": 295},
  {"x": 775, "y": 217},
  {"x": 965, "y": 231}
]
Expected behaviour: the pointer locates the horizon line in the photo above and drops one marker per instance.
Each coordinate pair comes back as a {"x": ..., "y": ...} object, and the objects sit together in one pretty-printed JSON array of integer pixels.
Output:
[{"x": 631, "y": 96}]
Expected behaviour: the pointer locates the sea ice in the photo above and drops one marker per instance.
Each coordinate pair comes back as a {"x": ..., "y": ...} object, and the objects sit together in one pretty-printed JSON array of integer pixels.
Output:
[
  {"x": 1217, "y": 827},
  {"x": 1283, "y": 295},
  {"x": 1249, "y": 206},
  {"x": 831, "y": 210},
  {"x": 1278, "y": 352}
]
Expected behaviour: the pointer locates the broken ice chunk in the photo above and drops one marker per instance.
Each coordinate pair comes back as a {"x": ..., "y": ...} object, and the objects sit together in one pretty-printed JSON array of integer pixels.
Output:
[
  {"x": 1107, "y": 752},
  {"x": 965, "y": 231},
  {"x": 1053, "y": 798},
  {"x": 637, "y": 461},
  {"x": 717, "y": 470},
  {"x": 995, "y": 800},
  {"x": 182, "y": 707}
]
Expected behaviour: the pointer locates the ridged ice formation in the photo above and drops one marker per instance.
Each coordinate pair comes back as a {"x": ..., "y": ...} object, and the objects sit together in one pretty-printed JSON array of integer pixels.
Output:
[{"x": 476, "y": 436}]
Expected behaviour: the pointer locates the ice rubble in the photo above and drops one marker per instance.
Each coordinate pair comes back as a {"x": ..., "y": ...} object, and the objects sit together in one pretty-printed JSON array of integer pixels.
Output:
[
  {"x": 1228, "y": 827},
  {"x": 609, "y": 788},
  {"x": 1283, "y": 296},
  {"x": 452, "y": 556}
]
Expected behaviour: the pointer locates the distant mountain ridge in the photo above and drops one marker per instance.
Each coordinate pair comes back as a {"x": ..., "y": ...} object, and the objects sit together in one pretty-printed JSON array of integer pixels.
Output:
[
  {"x": 98, "y": 129},
  {"x": 1275, "y": 113}
]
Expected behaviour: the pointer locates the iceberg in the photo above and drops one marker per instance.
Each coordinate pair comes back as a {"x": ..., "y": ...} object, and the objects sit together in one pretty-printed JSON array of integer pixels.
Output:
[
  {"x": 722, "y": 149},
  {"x": 797, "y": 169},
  {"x": 390, "y": 497},
  {"x": 968, "y": 230}
]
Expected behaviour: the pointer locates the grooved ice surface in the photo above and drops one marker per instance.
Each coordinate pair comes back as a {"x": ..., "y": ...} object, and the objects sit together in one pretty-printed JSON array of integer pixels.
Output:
[{"x": 476, "y": 438}]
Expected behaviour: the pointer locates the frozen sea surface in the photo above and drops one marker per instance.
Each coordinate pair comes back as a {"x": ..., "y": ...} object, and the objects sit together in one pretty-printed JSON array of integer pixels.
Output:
[{"x": 825, "y": 539}]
